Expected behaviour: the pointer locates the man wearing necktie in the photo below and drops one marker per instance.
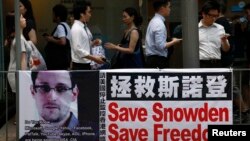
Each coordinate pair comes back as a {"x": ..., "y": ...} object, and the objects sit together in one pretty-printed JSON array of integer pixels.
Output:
[{"x": 82, "y": 39}]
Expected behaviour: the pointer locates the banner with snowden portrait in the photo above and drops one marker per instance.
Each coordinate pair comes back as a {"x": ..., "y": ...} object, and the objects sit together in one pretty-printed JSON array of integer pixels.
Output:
[{"x": 58, "y": 105}]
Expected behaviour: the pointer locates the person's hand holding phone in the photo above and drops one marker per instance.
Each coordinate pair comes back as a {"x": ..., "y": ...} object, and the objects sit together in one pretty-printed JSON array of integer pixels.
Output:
[{"x": 224, "y": 36}]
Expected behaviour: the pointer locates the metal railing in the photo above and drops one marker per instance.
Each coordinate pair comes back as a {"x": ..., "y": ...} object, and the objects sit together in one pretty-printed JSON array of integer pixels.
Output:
[
  {"x": 241, "y": 96},
  {"x": 7, "y": 109}
]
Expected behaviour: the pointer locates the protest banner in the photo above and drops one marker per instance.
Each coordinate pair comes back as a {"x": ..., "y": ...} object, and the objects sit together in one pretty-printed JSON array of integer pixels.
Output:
[{"x": 163, "y": 105}]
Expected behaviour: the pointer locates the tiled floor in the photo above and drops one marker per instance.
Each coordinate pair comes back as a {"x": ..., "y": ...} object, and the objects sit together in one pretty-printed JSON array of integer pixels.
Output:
[{"x": 11, "y": 131}]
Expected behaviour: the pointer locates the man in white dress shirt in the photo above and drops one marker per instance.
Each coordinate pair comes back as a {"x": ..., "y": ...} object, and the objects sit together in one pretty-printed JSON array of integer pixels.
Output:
[
  {"x": 82, "y": 39},
  {"x": 212, "y": 36}
]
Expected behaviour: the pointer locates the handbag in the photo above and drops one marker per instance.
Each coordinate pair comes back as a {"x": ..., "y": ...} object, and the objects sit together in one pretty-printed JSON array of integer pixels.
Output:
[
  {"x": 98, "y": 51},
  {"x": 58, "y": 57},
  {"x": 36, "y": 61},
  {"x": 125, "y": 60}
]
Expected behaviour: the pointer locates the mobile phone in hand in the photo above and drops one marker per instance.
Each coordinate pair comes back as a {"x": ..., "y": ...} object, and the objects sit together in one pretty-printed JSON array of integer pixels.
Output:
[
  {"x": 227, "y": 35},
  {"x": 104, "y": 59}
]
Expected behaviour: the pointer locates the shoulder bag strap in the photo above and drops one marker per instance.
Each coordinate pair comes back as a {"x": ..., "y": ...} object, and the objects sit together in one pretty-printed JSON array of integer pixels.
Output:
[
  {"x": 65, "y": 29},
  {"x": 128, "y": 35}
]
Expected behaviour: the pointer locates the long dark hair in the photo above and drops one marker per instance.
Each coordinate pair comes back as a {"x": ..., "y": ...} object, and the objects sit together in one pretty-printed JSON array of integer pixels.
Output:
[
  {"x": 10, "y": 23},
  {"x": 132, "y": 12},
  {"x": 29, "y": 12},
  {"x": 10, "y": 28}
]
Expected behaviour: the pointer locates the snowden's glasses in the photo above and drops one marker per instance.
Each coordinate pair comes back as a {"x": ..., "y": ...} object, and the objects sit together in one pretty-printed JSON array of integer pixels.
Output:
[{"x": 60, "y": 89}]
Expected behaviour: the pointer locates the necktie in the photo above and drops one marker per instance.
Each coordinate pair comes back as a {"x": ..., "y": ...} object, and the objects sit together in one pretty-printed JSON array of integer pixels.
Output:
[{"x": 89, "y": 38}]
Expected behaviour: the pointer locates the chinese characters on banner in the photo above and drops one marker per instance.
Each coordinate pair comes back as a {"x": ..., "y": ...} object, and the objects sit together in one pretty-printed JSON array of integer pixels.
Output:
[{"x": 161, "y": 105}]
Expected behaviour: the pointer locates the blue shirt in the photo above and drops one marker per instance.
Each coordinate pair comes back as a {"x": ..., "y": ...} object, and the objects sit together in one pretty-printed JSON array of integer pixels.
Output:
[{"x": 156, "y": 37}]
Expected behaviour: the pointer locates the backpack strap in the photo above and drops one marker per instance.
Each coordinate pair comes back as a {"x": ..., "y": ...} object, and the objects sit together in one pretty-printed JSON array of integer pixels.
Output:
[
  {"x": 54, "y": 30},
  {"x": 65, "y": 29}
]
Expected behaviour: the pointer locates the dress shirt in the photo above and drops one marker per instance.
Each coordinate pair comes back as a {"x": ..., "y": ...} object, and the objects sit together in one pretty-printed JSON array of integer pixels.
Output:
[
  {"x": 210, "y": 41},
  {"x": 156, "y": 37},
  {"x": 80, "y": 44}
]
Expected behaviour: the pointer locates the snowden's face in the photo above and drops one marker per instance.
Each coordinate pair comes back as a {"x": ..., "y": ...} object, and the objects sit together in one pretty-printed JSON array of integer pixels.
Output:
[{"x": 53, "y": 104}]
